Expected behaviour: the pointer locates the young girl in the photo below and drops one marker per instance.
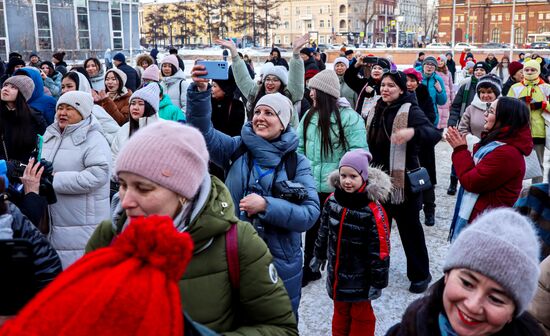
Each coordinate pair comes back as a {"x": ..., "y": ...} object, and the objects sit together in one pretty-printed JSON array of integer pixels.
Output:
[{"x": 355, "y": 232}]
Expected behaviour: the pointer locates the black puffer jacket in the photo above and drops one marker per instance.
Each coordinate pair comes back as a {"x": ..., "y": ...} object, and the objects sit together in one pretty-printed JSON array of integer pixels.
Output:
[
  {"x": 357, "y": 224},
  {"x": 351, "y": 77}
]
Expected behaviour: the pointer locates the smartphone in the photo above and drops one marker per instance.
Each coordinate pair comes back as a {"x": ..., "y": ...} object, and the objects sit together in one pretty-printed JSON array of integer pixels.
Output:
[
  {"x": 370, "y": 59},
  {"x": 37, "y": 152},
  {"x": 215, "y": 69}
]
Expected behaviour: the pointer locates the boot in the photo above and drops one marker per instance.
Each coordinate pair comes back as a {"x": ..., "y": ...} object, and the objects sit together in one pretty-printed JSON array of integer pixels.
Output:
[
  {"x": 452, "y": 186},
  {"x": 308, "y": 276},
  {"x": 429, "y": 217}
]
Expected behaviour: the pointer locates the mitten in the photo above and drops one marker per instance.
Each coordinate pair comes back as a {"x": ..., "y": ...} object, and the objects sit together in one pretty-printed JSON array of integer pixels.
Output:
[
  {"x": 317, "y": 264},
  {"x": 536, "y": 106}
]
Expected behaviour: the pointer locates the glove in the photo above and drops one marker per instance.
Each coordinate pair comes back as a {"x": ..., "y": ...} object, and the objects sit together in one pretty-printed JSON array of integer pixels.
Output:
[
  {"x": 317, "y": 264},
  {"x": 374, "y": 293},
  {"x": 536, "y": 106}
]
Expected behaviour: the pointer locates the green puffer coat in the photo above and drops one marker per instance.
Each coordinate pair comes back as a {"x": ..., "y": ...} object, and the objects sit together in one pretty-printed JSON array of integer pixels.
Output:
[
  {"x": 205, "y": 288},
  {"x": 354, "y": 132}
]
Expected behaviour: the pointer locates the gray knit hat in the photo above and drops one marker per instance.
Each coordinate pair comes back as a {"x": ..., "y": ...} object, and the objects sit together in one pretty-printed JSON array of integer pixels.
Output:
[
  {"x": 502, "y": 245},
  {"x": 278, "y": 103},
  {"x": 490, "y": 81},
  {"x": 430, "y": 60},
  {"x": 150, "y": 94},
  {"x": 83, "y": 102},
  {"x": 24, "y": 84},
  {"x": 326, "y": 81}
]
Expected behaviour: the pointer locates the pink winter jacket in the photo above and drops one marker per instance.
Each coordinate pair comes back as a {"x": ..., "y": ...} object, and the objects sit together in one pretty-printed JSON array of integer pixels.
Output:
[{"x": 444, "y": 110}]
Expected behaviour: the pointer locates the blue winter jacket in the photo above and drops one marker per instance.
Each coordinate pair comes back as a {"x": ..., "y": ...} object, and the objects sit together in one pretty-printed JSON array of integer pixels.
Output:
[
  {"x": 283, "y": 222},
  {"x": 39, "y": 101},
  {"x": 438, "y": 98}
]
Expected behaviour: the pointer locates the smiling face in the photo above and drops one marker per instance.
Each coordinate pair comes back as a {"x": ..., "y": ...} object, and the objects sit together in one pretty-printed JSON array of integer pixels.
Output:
[
  {"x": 272, "y": 84},
  {"x": 141, "y": 197},
  {"x": 67, "y": 115},
  {"x": 340, "y": 68},
  {"x": 265, "y": 123},
  {"x": 490, "y": 116},
  {"x": 67, "y": 85},
  {"x": 166, "y": 69},
  {"x": 350, "y": 179},
  {"x": 389, "y": 90},
  {"x": 479, "y": 72},
  {"x": 137, "y": 108},
  {"x": 9, "y": 93},
  {"x": 111, "y": 82},
  {"x": 92, "y": 69},
  {"x": 377, "y": 72},
  {"x": 487, "y": 95},
  {"x": 475, "y": 305},
  {"x": 46, "y": 69},
  {"x": 429, "y": 69}
]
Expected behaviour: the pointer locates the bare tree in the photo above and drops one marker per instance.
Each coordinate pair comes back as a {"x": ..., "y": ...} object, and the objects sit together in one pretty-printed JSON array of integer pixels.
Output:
[
  {"x": 266, "y": 17},
  {"x": 367, "y": 16}
]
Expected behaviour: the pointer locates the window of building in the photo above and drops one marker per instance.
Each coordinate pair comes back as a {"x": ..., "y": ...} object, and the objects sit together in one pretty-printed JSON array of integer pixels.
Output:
[
  {"x": 297, "y": 10},
  {"x": 322, "y": 39},
  {"x": 518, "y": 36},
  {"x": 82, "y": 23},
  {"x": 462, "y": 18},
  {"x": 43, "y": 24},
  {"x": 543, "y": 30},
  {"x": 308, "y": 10},
  {"x": 523, "y": 17},
  {"x": 493, "y": 17},
  {"x": 342, "y": 9},
  {"x": 321, "y": 23},
  {"x": 541, "y": 16},
  {"x": 320, "y": 10},
  {"x": 287, "y": 24},
  {"x": 2, "y": 22},
  {"x": 342, "y": 24},
  {"x": 500, "y": 17},
  {"x": 308, "y": 24},
  {"x": 285, "y": 11},
  {"x": 516, "y": 17},
  {"x": 116, "y": 21},
  {"x": 547, "y": 16},
  {"x": 495, "y": 35},
  {"x": 286, "y": 39}
]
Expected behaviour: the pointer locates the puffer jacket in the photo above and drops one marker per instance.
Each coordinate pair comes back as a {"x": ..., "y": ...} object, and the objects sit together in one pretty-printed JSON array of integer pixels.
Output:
[
  {"x": 357, "y": 84},
  {"x": 169, "y": 111},
  {"x": 81, "y": 159},
  {"x": 354, "y": 132},
  {"x": 283, "y": 221},
  {"x": 108, "y": 124},
  {"x": 175, "y": 87},
  {"x": 262, "y": 308},
  {"x": 355, "y": 238},
  {"x": 438, "y": 98},
  {"x": 53, "y": 83},
  {"x": 124, "y": 134},
  {"x": 540, "y": 91},
  {"x": 540, "y": 306},
  {"x": 473, "y": 119},
  {"x": 464, "y": 96},
  {"x": 347, "y": 92},
  {"x": 40, "y": 101},
  {"x": 119, "y": 108},
  {"x": 445, "y": 109}
]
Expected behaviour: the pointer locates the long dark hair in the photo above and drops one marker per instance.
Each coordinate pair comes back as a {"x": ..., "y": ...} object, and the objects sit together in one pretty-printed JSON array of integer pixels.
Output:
[
  {"x": 96, "y": 62},
  {"x": 430, "y": 306},
  {"x": 74, "y": 77},
  {"x": 510, "y": 116},
  {"x": 20, "y": 125},
  {"x": 326, "y": 106},
  {"x": 262, "y": 92},
  {"x": 147, "y": 112},
  {"x": 120, "y": 82}
]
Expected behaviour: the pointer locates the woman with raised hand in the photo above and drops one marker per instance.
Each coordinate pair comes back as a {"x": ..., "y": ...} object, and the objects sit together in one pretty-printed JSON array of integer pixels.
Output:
[{"x": 115, "y": 98}]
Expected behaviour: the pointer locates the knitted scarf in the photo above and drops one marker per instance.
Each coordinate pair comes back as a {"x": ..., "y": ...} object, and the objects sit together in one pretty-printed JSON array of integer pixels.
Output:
[
  {"x": 531, "y": 86},
  {"x": 398, "y": 153}
]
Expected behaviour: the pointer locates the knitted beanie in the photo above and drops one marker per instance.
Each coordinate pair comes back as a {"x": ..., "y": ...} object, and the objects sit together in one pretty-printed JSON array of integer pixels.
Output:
[
  {"x": 357, "y": 159},
  {"x": 514, "y": 67},
  {"x": 120, "y": 74},
  {"x": 442, "y": 58},
  {"x": 306, "y": 51},
  {"x": 469, "y": 65},
  {"x": 24, "y": 84},
  {"x": 430, "y": 60},
  {"x": 81, "y": 101},
  {"x": 59, "y": 56},
  {"x": 150, "y": 94},
  {"x": 152, "y": 73},
  {"x": 120, "y": 57},
  {"x": 469, "y": 55},
  {"x": 171, "y": 59},
  {"x": 502, "y": 245},
  {"x": 342, "y": 60},
  {"x": 413, "y": 73},
  {"x": 482, "y": 65},
  {"x": 170, "y": 154},
  {"x": 278, "y": 103},
  {"x": 276, "y": 70},
  {"x": 384, "y": 63},
  {"x": 309, "y": 74},
  {"x": 348, "y": 52},
  {"x": 128, "y": 288},
  {"x": 490, "y": 81},
  {"x": 326, "y": 81}
]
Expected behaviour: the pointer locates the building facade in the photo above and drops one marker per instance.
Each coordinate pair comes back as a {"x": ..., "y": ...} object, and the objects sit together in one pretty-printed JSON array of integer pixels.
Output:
[
  {"x": 483, "y": 21},
  {"x": 78, "y": 27}
]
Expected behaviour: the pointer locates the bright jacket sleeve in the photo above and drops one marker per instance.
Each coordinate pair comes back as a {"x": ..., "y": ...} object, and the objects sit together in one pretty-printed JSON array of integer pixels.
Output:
[
  {"x": 296, "y": 84},
  {"x": 355, "y": 131},
  {"x": 264, "y": 303},
  {"x": 247, "y": 85},
  {"x": 488, "y": 174},
  {"x": 53, "y": 85},
  {"x": 379, "y": 247},
  {"x": 539, "y": 306},
  {"x": 462, "y": 60},
  {"x": 199, "y": 115},
  {"x": 291, "y": 216},
  {"x": 440, "y": 97},
  {"x": 120, "y": 116}
]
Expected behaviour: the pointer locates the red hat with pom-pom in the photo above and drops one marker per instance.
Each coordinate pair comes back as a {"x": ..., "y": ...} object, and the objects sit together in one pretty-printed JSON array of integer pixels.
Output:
[{"x": 129, "y": 288}]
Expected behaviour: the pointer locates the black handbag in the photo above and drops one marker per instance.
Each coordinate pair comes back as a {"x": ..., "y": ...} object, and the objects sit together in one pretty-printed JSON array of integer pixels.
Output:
[{"x": 419, "y": 179}]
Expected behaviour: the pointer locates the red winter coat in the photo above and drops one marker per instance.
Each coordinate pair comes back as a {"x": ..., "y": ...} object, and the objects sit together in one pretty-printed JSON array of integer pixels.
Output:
[{"x": 498, "y": 177}]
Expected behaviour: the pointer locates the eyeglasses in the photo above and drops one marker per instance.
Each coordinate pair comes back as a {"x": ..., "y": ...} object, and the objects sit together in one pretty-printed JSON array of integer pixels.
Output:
[
  {"x": 390, "y": 71},
  {"x": 490, "y": 110},
  {"x": 272, "y": 80}
]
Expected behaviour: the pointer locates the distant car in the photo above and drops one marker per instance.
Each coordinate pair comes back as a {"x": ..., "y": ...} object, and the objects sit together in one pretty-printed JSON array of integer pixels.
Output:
[
  {"x": 378, "y": 45},
  {"x": 325, "y": 46},
  {"x": 540, "y": 45},
  {"x": 463, "y": 45},
  {"x": 437, "y": 46},
  {"x": 493, "y": 45}
]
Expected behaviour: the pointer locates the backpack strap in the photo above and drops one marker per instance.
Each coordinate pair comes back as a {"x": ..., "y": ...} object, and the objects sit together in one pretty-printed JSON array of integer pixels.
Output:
[
  {"x": 232, "y": 254},
  {"x": 291, "y": 163}
]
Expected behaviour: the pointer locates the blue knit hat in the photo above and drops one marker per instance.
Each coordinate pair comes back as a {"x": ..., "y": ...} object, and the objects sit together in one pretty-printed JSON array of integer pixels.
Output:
[{"x": 120, "y": 57}]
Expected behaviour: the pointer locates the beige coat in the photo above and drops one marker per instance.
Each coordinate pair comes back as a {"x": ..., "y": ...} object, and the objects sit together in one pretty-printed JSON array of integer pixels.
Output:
[{"x": 540, "y": 306}]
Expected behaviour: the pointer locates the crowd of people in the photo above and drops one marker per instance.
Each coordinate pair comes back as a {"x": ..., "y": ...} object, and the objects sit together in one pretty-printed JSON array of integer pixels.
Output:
[{"x": 197, "y": 193}]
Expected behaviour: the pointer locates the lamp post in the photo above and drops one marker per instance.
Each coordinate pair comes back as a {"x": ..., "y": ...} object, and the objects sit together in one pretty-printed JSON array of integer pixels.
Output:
[
  {"x": 453, "y": 27},
  {"x": 512, "y": 29},
  {"x": 398, "y": 19}
]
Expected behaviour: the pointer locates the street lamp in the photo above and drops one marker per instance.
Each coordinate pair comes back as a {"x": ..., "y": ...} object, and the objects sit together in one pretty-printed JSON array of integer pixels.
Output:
[{"x": 398, "y": 19}]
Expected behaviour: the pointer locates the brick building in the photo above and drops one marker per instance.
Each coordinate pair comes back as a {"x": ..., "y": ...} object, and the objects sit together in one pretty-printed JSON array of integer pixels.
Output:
[{"x": 482, "y": 21}]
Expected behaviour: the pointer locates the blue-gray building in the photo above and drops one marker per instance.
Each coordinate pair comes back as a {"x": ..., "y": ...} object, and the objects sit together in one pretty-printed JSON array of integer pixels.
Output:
[{"x": 81, "y": 28}]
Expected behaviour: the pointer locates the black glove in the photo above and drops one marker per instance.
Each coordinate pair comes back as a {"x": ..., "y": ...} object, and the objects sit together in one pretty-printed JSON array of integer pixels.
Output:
[
  {"x": 374, "y": 293},
  {"x": 317, "y": 264},
  {"x": 523, "y": 99},
  {"x": 536, "y": 106}
]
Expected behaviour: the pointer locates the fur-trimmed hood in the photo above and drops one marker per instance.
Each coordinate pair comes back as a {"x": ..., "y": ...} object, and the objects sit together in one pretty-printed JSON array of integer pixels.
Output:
[{"x": 378, "y": 187}]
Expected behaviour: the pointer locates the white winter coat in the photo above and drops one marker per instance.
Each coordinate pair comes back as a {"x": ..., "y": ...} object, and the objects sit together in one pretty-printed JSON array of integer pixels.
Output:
[
  {"x": 124, "y": 133},
  {"x": 176, "y": 87},
  {"x": 81, "y": 161}
]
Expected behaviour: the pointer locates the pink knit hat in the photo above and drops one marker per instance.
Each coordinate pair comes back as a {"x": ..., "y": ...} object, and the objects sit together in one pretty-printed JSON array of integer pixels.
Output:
[
  {"x": 167, "y": 153},
  {"x": 172, "y": 59},
  {"x": 152, "y": 73}
]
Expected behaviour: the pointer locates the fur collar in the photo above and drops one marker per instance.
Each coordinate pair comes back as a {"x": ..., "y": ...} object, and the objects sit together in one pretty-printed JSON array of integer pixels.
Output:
[{"x": 378, "y": 188}]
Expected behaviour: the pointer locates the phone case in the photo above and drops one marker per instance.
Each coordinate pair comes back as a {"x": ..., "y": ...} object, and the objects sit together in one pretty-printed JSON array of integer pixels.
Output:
[{"x": 215, "y": 69}]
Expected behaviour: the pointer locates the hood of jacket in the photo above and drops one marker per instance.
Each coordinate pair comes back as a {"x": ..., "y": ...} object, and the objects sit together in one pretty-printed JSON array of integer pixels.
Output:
[
  {"x": 479, "y": 104},
  {"x": 83, "y": 83},
  {"x": 269, "y": 153},
  {"x": 521, "y": 139},
  {"x": 34, "y": 74},
  {"x": 144, "y": 121},
  {"x": 378, "y": 188},
  {"x": 78, "y": 132},
  {"x": 179, "y": 75},
  {"x": 165, "y": 101}
]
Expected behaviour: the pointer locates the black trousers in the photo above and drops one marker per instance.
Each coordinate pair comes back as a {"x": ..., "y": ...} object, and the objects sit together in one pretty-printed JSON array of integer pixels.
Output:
[
  {"x": 411, "y": 232},
  {"x": 428, "y": 198},
  {"x": 311, "y": 234}
]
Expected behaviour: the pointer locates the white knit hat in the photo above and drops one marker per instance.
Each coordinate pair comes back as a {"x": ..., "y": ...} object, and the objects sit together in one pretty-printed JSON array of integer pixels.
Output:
[
  {"x": 150, "y": 94},
  {"x": 326, "y": 81},
  {"x": 83, "y": 102},
  {"x": 342, "y": 60},
  {"x": 276, "y": 70},
  {"x": 278, "y": 103},
  {"x": 120, "y": 73}
]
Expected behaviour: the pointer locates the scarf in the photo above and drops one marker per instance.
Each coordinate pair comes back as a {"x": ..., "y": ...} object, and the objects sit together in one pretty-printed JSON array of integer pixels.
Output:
[
  {"x": 398, "y": 153},
  {"x": 531, "y": 86},
  {"x": 466, "y": 200},
  {"x": 445, "y": 327}
]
